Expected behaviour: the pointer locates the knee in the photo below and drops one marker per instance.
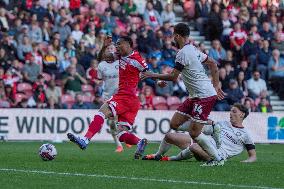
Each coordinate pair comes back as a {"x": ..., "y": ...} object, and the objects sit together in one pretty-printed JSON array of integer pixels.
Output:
[
  {"x": 194, "y": 133},
  {"x": 173, "y": 125},
  {"x": 169, "y": 138},
  {"x": 193, "y": 147}
]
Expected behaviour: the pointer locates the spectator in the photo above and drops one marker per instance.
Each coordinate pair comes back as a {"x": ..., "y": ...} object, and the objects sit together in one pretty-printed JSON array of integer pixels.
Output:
[
  {"x": 72, "y": 81},
  {"x": 157, "y": 5},
  {"x": 65, "y": 63},
  {"x": 217, "y": 52},
  {"x": 63, "y": 29},
  {"x": 214, "y": 26},
  {"x": 148, "y": 95},
  {"x": 31, "y": 70},
  {"x": 244, "y": 67},
  {"x": 109, "y": 21},
  {"x": 101, "y": 6},
  {"x": 250, "y": 49},
  {"x": 4, "y": 59},
  {"x": 266, "y": 33},
  {"x": 227, "y": 28},
  {"x": 79, "y": 104},
  {"x": 249, "y": 104},
  {"x": 202, "y": 10},
  {"x": 35, "y": 32},
  {"x": 90, "y": 38},
  {"x": 77, "y": 34},
  {"x": 254, "y": 32},
  {"x": 242, "y": 83},
  {"x": 256, "y": 85},
  {"x": 53, "y": 94},
  {"x": 3, "y": 20},
  {"x": 263, "y": 56},
  {"x": 276, "y": 72},
  {"x": 24, "y": 48},
  {"x": 224, "y": 80},
  {"x": 168, "y": 54},
  {"x": 50, "y": 62},
  {"x": 233, "y": 94},
  {"x": 38, "y": 10},
  {"x": 152, "y": 17},
  {"x": 79, "y": 68},
  {"x": 238, "y": 38},
  {"x": 277, "y": 43},
  {"x": 38, "y": 99},
  {"x": 264, "y": 106},
  {"x": 168, "y": 14},
  {"x": 130, "y": 8}
]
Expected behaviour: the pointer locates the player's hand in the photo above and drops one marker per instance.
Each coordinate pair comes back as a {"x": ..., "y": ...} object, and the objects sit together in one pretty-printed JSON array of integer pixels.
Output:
[
  {"x": 220, "y": 93},
  {"x": 145, "y": 75},
  {"x": 162, "y": 84}
]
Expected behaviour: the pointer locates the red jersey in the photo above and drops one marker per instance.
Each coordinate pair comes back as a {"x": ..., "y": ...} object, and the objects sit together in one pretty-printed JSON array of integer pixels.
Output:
[{"x": 129, "y": 70}]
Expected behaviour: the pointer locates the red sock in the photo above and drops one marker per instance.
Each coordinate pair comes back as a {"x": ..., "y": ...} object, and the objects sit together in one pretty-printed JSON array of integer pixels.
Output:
[
  {"x": 129, "y": 138},
  {"x": 95, "y": 125}
]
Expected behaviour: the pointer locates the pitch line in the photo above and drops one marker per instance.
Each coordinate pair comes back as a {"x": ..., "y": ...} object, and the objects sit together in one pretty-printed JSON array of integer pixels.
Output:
[{"x": 133, "y": 178}]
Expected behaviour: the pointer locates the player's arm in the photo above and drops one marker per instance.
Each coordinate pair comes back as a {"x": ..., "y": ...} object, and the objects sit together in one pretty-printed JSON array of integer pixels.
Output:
[
  {"x": 251, "y": 153},
  {"x": 212, "y": 65},
  {"x": 166, "y": 77}
]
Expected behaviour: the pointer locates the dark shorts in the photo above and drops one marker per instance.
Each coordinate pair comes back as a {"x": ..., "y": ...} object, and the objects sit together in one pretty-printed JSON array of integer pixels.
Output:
[{"x": 198, "y": 109}]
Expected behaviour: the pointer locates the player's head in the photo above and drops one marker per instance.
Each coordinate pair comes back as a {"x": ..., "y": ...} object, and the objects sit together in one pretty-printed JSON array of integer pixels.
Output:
[
  {"x": 238, "y": 113},
  {"x": 181, "y": 32},
  {"x": 124, "y": 46}
]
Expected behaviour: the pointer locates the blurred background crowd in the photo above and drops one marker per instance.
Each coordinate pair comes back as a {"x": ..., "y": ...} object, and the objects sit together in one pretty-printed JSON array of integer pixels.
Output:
[{"x": 49, "y": 49}]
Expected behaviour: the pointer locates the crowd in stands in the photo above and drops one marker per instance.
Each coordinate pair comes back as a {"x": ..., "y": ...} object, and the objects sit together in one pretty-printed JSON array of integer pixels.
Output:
[{"x": 49, "y": 49}]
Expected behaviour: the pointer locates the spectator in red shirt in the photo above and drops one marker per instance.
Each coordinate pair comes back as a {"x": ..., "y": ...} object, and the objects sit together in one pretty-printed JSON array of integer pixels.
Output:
[
  {"x": 238, "y": 38},
  {"x": 92, "y": 73},
  {"x": 75, "y": 6}
]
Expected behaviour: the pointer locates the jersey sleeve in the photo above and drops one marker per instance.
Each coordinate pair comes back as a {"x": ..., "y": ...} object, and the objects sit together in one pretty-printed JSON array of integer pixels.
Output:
[
  {"x": 248, "y": 142},
  {"x": 180, "y": 61},
  {"x": 201, "y": 56},
  {"x": 139, "y": 62}
]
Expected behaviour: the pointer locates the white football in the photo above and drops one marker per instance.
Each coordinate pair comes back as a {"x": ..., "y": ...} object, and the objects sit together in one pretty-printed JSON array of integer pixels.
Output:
[{"x": 47, "y": 152}]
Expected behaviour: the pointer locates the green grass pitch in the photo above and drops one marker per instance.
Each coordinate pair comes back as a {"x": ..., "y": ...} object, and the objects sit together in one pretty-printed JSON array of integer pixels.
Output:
[{"x": 99, "y": 167}]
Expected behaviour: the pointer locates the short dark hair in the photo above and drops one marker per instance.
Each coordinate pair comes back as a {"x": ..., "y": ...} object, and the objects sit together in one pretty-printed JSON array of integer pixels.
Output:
[
  {"x": 127, "y": 39},
  {"x": 242, "y": 108},
  {"x": 182, "y": 29}
]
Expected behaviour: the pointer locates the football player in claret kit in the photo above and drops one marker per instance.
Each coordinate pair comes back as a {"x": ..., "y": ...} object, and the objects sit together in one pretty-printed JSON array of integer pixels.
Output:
[
  {"x": 124, "y": 104},
  {"x": 203, "y": 92}
]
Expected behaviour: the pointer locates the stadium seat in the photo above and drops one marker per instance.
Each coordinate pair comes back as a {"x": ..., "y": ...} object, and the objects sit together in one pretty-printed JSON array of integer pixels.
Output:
[
  {"x": 68, "y": 100},
  {"x": 25, "y": 88},
  {"x": 47, "y": 77},
  {"x": 20, "y": 96},
  {"x": 173, "y": 102},
  {"x": 87, "y": 89},
  {"x": 160, "y": 103}
]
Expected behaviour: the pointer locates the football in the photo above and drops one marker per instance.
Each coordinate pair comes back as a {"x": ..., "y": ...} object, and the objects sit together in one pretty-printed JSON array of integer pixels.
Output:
[{"x": 47, "y": 152}]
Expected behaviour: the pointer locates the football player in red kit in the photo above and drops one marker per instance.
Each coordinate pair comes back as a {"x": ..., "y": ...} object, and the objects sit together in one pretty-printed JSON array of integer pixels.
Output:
[{"x": 124, "y": 104}]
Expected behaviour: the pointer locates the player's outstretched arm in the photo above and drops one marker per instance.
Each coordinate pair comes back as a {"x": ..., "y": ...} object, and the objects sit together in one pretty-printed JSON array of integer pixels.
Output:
[
  {"x": 166, "y": 77},
  {"x": 252, "y": 156}
]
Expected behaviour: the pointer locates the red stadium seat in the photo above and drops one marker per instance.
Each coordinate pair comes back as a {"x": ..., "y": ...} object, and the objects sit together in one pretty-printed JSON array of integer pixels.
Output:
[
  {"x": 87, "y": 89},
  {"x": 25, "y": 88},
  {"x": 173, "y": 102},
  {"x": 20, "y": 96},
  {"x": 46, "y": 76},
  {"x": 160, "y": 103},
  {"x": 68, "y": 100}
]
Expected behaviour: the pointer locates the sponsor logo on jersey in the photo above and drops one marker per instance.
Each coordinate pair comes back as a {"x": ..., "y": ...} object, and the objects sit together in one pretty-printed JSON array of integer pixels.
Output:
[{"x": 275, "y": 128}]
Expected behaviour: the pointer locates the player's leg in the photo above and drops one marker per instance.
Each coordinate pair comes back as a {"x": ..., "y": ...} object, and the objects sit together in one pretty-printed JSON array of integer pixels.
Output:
[
  {"x": 199, "y": 111},
  {"x": 112, "y": 125},
  {"x": 94, "y": 127}
]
